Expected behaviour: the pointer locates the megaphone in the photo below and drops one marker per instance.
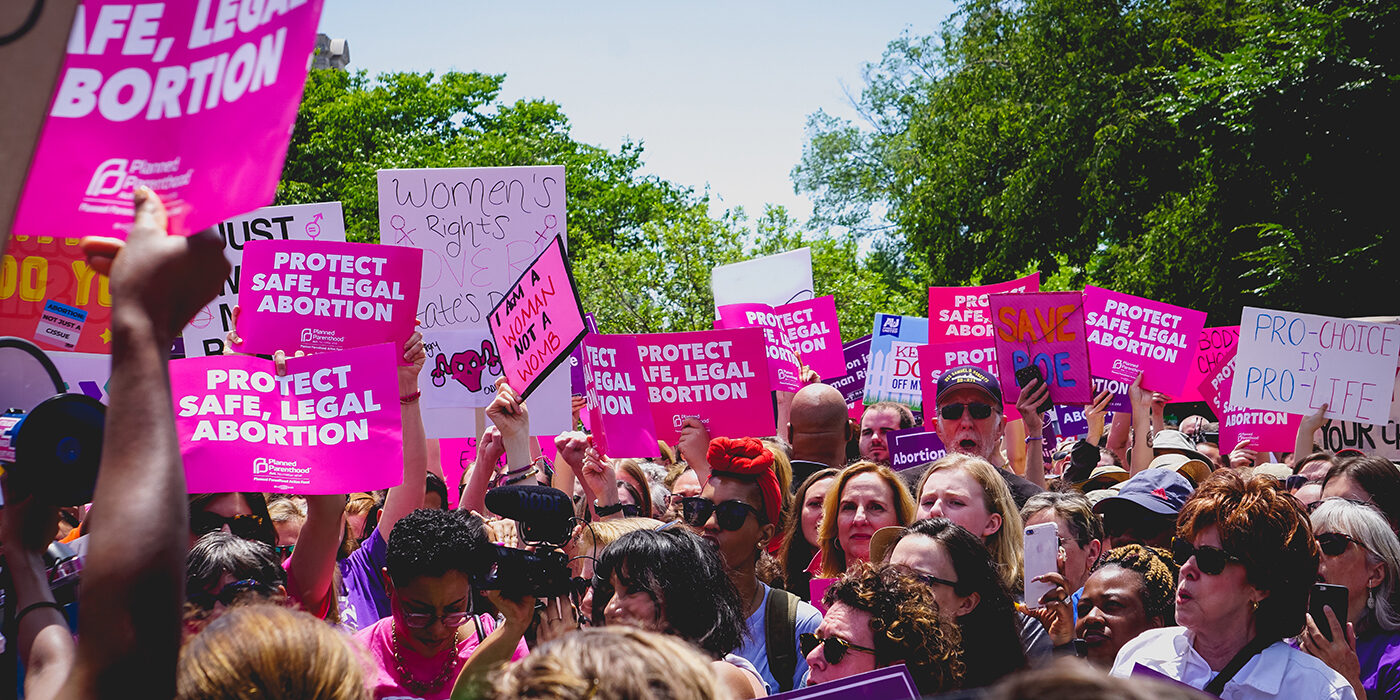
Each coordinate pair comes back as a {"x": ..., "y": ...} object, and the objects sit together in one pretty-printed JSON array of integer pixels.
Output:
[{"x": 50, "y": 441}]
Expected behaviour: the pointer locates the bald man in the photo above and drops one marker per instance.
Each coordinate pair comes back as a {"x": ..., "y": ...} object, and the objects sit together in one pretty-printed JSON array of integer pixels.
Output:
[{"x": 818, "y": 429}]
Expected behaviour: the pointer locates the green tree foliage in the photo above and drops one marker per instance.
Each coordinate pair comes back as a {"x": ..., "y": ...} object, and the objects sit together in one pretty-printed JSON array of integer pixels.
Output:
[{"x": 1207, "y": 153}]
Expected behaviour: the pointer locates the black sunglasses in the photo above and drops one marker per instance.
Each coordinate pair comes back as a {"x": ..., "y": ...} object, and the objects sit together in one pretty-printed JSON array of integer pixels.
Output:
[
  {"x": 729, "y": 515},
  {"x": 229, "y": 593},
  {"x": 1210, "y": 560},
  {"x": 932, "y": 580},
  {"x": 1334, "y": 543},
  {"x": 247, "y": 526},
  {"x": 954, "y": 411},
  {"x": 833, "y": 648}
]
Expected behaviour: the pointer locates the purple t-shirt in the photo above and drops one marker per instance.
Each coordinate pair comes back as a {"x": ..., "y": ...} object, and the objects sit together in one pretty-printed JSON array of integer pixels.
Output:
[
  {"x": 366, "y": 602},
  {"x": 1379, "y": 655}
]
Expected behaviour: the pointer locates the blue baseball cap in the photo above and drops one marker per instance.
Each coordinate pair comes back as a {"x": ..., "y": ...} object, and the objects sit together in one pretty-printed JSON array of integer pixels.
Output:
[{"x": 1161, "y": 491}]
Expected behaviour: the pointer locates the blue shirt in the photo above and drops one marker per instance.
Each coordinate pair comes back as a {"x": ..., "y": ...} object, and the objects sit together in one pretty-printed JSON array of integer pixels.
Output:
[{"x": 755, "y": 646}]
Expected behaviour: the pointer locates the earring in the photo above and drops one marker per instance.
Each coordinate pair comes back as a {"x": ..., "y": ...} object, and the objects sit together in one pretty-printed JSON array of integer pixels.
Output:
[
  {"x": 1370, "y": 599},
  {"x": 1254, "y": 605}
]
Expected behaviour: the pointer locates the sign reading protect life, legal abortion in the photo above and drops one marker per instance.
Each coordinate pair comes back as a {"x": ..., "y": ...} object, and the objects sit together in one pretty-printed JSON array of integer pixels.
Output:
[
  {"x": 619, "y": 410},
  {"x": 321, "y": 296},
  {"x": 1129, "y": 335},
  {"x": 195, "y": 100},
  {"x": 539, "y": 321},
  {"x": 963, "y": 313},
  {"x": 330, "y": 425},
  {"x": 719, "y": 377}
]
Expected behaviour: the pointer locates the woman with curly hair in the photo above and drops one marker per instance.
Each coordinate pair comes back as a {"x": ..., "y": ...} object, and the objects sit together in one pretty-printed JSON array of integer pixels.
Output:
[
  {"x": 878, "y": 617},
  {"x": 1248, "y": 560},
  {"x": 1129, "y": 592}
]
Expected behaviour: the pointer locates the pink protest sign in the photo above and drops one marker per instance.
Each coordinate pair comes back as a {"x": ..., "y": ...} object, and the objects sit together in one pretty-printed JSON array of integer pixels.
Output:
[
  {"x": 937, "y": 358},
  {"x": 1213, "y": 345},
  {"x": 962, "y": 313},
  {"x": 1130, "y": 335},
  {"x": 784, "y": 369},
  {"x": 330, "y": 425},
  {"x": 719, "y": 377},
  {"x": 538, "y": 321},
  {"x": 619, "y": 412},
  {"x": 1045, "y": 329},
  {"x": 811, "y": 328},
  {"x": 1274, "y": 431},
  {"x": 195, "y": 100},
  {"x": 321, "y": 296}
]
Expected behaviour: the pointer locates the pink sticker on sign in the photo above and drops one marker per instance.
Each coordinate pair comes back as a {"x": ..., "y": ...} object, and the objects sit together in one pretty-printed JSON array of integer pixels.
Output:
[
  {"x": 783, "y": 369},
  {"x": 330, "y": 425},
  {"x": 1214, "y": 344},
  {"x": 935, "y": 359},
  {"x": 812, "y": 329},
  {"x": 538, "y": 321},
  {"x": 618, "y": 410},
  {"x": 195, "y": 100},
  {"x": 1045, "y": 329},
  {"x": 964, "y": 313},
  {"x": 322, "y": 296},
  {"x": 717, "y": 377},
  {"x": 1129, "y": 335}
]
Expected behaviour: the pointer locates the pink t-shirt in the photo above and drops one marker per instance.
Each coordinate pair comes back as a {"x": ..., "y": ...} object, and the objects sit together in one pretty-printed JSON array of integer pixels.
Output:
[{"x": 384, "y": 680}]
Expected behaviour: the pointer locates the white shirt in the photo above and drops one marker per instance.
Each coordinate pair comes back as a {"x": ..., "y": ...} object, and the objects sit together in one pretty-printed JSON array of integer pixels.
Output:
[{"x": 1278, "y": 671}]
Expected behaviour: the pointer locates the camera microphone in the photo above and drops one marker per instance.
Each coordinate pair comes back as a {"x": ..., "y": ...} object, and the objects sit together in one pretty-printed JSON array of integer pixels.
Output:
[{"x": 544, "y": 513}]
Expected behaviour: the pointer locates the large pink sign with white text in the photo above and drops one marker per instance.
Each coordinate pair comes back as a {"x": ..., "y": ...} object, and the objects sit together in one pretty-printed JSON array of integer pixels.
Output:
[
  {"x": 619, "y": 410},
  {"x": 964, "y": 313},
  {"x": 1129, "y": 335},
  {"x": 194, "y": 99},
  {"x": 717, "y": 377},
  {"x": 784, "y": 369},
  {"x": 331, "y": 424}
]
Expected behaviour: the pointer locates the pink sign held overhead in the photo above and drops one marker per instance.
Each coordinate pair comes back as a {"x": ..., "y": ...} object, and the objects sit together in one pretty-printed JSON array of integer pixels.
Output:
[
  {"x": 322, "y": 296},
  {"x": 538, "y": 321},
  {"x": 784, "y": 369},
  {"x": 195, "y": 100},
  {"x": 937, "y": 358},
  {"x": 1214, "y": 344},
  {"x": 811, "y": 329},
  {"x": 719, "y": 377},
  {"x": 1129, "y": 335},
  {"x": 963, "y": 313},
  {"x": 330, "y": 425},
  {"x": 1274, "y": 431},
  {"x": 1044, "y": 329},
  {"x": 619, "y": 412}
]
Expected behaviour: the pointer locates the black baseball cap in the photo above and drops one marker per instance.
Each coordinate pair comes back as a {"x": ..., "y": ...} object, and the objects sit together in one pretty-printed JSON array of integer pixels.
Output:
[{"x": 969, "y": 376}]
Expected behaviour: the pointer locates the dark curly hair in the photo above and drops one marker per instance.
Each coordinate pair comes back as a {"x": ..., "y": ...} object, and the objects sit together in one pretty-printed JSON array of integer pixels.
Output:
[
  {"x": 1158, "y": 573},
  {"x": 685, "y": 579},
  {"x": 906, "y": 625},
  {"x": 1268, "y": 530},
  {"x": 431, "y": 542}
]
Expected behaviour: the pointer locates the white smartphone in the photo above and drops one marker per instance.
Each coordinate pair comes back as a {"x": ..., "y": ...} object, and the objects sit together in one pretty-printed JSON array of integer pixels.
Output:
[{"x": 1042, "y": 557}]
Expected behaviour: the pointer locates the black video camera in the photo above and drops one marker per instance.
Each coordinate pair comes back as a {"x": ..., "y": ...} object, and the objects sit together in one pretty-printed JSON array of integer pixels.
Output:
[{"x": 544, "y": 518}]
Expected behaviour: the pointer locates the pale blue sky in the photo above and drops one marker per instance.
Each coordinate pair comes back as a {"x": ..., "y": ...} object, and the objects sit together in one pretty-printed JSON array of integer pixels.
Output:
[{"x": 718, "y": 92}]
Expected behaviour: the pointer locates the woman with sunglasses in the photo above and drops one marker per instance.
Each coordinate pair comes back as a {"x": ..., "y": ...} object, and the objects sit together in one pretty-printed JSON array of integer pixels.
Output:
[
  {"x": 431, "y": 631},
  {"x": 882, "y": 616},
  {"x": 223, "y": 568},
  {"x": 242, "y": 514},
  {"x": 865, "y": 497},
  {"x": 1248, "y": 560},
  {"x": 801, "y": 540},
  {"x": 1359, "y": 551}
]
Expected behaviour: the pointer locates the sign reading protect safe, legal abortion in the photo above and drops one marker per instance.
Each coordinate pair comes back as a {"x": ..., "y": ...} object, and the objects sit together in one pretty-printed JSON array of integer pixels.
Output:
[
  {"x": 619, "y": 411},
  {"x": 718, "y": 377},
  {"x": 539, "y": 321},
  {"x": 330, "y": 425},
  {"x": 1129, "y": 335},
  {"x": 962, "y": 313},
  {"x": 1297, "y": 362},
  {"x": 320, "y": 296},
  {"x": 784, "y": 369},
  {"x": 186, "y": 98}
]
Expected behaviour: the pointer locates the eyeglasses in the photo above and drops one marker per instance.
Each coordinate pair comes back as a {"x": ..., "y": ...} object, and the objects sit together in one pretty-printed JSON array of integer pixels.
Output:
[
  {"x": 284, "y": 550},
  {"x": 1210, "y": 560},
  {"x": 729, "y": 515},
  {"x": 833, "y": 648},
  {"x": 1334, "y": 543},
  {"x": 954, "y": 411},
  {"x": 934, "y": 580},
  {"x": 247, "y": 526},
  {"x": 229, "y": 593},
  {"x": 451, "y": 620}
]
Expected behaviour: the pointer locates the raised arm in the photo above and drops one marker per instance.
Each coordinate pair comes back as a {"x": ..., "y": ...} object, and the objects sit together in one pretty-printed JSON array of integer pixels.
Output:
[
  {"x": 311, "y": 568},
  {"x": 508, "y": 413},
  {"x": 1094, "y": 415},
  {"x": 136, "y": 557},
  {"x": 489, "y": 449},
  {"x": 1142, "y": 426},
  {"x": 1303, "y": 443},
  {"x": 694, "y": 446},
  {"x": 1032, "y": 395},
  {"x": 45, "y": 645},
  {"x": 408, "y": 496}
]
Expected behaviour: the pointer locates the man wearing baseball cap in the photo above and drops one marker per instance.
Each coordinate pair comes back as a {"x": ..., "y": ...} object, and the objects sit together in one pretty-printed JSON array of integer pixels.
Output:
[{"x": 970, "y": 421}]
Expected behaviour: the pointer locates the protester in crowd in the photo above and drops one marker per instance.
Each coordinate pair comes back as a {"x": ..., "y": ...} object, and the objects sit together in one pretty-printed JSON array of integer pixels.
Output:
[
  {"x": 1313, "y": 467},
  {"x": 1361, "y": 552},
  {"x": 1129, "y": 592},
  {"x": 223, "y": 568},
  {"x": 361, "y": 517},
  {"x": 738, "y": 512},
  {"x": 629, "y": 473},
  {"x": 865, "y": 497},
  {"x": 1195, "y": 470},
  {"x": 671, "y": 581},
  {"x": 421, "y": 647},
  {"x": 288, "y": 516},
  {"x": 267, "y": 652},
  {"x": 1372, "y": 480},
  {"x": 801, "y": 535},
  {"x": 685, "y": 485},
  {"x": 970, "y": 421},
  {"x": 434, "y": 491},
  {"x": 878, "y": 420},
  {"x": 1080, "y": 532},
  {"x": 1145, "y": 509},
  {"x": 660, "y": 492},
  {"x": 818, "y": 429},
  {"x": 882, "y": 616},
  {"x": 610, "y": 663},
  {"x": 243, "y": 514},
  {"x": 971, "y": 492},
  {"x": 588, "y": 543},
  {"x": 955, "y": 565},
  {"x": 782, "y": 466},
  {"x": 1248, "y": 559}
]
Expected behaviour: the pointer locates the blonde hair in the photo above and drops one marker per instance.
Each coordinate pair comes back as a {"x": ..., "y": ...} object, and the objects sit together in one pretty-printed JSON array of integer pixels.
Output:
[
  {"x": 834, "y": 562},
  {"x": 1007, "y": 543},
  {"x": 270, "y": 652},
  {"x": 611, "y": 663},
  {"x": 594, "y": 537},
  {"x": 782, "y": 468},
  {"x": 285, "y": 510}
]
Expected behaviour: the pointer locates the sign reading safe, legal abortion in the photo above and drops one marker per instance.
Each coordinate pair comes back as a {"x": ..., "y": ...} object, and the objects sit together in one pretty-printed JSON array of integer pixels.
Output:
[
  {"x": 962, "y": 313},
  {"x": 619, "y": 411},
  {"x": 1129, "y": 335},
  {"x": 539, "y": 321},
  {"x": 329, "y": 425},
  {"x": 1297, "y": 362},
  {"x": 718, "y": 377},
  {"x": 319, "y": 296}
]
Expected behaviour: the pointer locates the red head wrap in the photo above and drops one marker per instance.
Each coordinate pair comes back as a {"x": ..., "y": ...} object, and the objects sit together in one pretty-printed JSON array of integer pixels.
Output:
[{"x": 749, "y": 458}]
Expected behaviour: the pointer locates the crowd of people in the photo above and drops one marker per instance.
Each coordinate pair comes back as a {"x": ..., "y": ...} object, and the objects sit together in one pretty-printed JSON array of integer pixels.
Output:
[{"x": 729, "y": 567}]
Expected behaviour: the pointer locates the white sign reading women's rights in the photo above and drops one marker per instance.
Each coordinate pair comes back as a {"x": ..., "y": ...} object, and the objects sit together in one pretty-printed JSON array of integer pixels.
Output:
[{"x": 479, "y": 229}]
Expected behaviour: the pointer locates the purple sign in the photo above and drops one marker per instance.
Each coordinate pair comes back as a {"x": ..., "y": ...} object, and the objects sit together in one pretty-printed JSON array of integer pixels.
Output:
[
  {"x": 912, "y": 447},
  {"x": 889, "y": 683},
  {"x": 852, "y": 385}
]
